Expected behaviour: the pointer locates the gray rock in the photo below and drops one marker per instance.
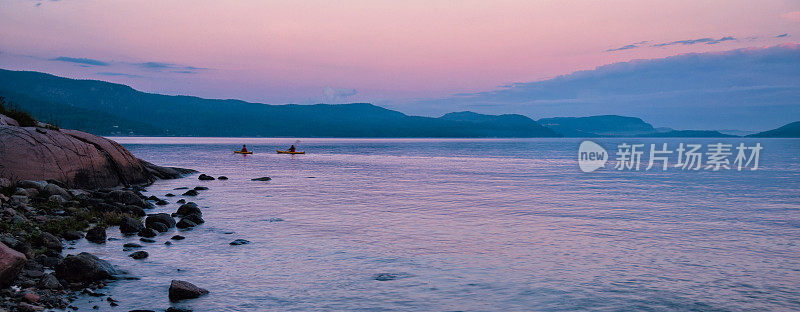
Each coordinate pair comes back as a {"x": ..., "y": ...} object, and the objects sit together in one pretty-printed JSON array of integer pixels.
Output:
[
  {"x": 190, "y": 193},
  {"x": 130, "y": 226},
  {"x": 49, "y": 241},
  {"x": 188, "y": 209},
  {"x": 146, "y": 232},
  {"x": 239, "y": 241},
  {"x": 49, "y": 281},
  {"x": 84, "y": 267},
  {"x": 180, "y": 290},
  {"x": 11, "y": 262},
  {"x": 197, "y": 219},
  {"x": 96, "y": 235},
  {"x": 38, "y": 185},
  {"x": 127, "y": 198},
  {"x": 52, "y": 189},
  {"x": 164, "y": 218},
  {"x": 139, "y": 255},
  {"x": 158, "y": 226},
  {"x": 185, "y": 224},
  {"x": 204, "y": 177}
]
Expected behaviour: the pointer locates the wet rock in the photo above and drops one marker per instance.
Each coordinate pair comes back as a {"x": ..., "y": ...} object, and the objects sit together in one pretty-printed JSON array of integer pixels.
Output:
[
  {"x": 179, "y": 290},
  {"x": 222, "y": 178},
  {"x": 181, "y": 201},
  {"x": 49, "y": 281},
  {"x": 162, "y": 202},
  {"x": 385, "y": 277},
  {"x": 72, "y": 235},
  {"x": 196, "y": 218},
  {"x": 164, "y": 218},
  {"x": 11, "y": 262},
  {"x": 169, "y": 195},
  {"x": 96, "y": 235},
  {"x": 204, "y": 177},
  {"x": 190, "y": 193},
  {"x": 84, "y": 268},
  {"x": 158, "y": 226},
  {"x": 49, "y": 241},
  {"x": 185, "y": 224},
  {"x": 131, "y": 245},
  {"x": 139, "y": 255},
  {"x": 147, "y": 240},
  {"x": 152, "y": 197},
  {"x": 261, "y": 179},
  {"x": 173, "y": 309},
  {"x": 146, "y": 232},
  {"x": 178, "y": 237},
  {"x": 189, "y": 209},
  {"x": 130, "y": 226},
  {"x": 168, "y": 243},
  {"x": 239, "y": 241},
  {"x": 180, "y": 188},
  {"x": 200, "y": 188},
  {"x": 135, "y": 210},
  {"x": 127, "y": 198}
]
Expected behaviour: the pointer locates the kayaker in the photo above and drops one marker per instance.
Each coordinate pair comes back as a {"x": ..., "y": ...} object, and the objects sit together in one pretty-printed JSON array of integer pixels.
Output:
[
  {"x": 292, "y": 149},
  {"x": 244, "y": 149}
]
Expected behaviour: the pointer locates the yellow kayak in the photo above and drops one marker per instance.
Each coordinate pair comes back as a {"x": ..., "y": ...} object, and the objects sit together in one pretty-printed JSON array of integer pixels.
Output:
[
  {"x": 288, "y": 152},
  {"x": 240, "y": 152}
]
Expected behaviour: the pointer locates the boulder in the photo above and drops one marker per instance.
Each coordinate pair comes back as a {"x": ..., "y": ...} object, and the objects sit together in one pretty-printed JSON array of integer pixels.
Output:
[
  {"x": 181, "y": 201},
  {"x": 72, "y": 235},
  {"x": 127, "y": 198},
  {"x": 162, "y": 202},
  {"x": 196, "y": 218},
  {"x": 78, "y": 159},
  {"x": 158, "y": 226},
  {"x": 178, "y": 237},
  {"x": 49, "y": 281},
  {"x": 239, "y": 241},
  {"x": 57, "y": 199},
  {"x": 84, "y": 268},
  {"x": 222, "y": 178},
  {"x": 164, "y": 218},
  {"x": 147, "y": 240},
  {"x": 96, "y": 235},
  {"x": 130, "y": 226},
  {"x": 26, "y": 184},
  {"x": 48, "y": 241},
  {"x": 147, "y": 232},
  {"x": 185, "y": 224},
  {"x": 189, "y": 209},
  {"x": 204, "y": 177},
  {"x": 141, "y": 254},
  {"x": 190, "y": 193},
  {"x": 53, "y": 189},
  {"x": 11, "y": 262},
  {"x": 179, "y": 290},
  {"x": 261, "y": 179},
  {"x": 200, "y": 188}
]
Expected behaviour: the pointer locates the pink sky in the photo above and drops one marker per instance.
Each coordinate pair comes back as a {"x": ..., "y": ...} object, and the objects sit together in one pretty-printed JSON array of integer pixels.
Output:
[{"x": 388, "y": 51}]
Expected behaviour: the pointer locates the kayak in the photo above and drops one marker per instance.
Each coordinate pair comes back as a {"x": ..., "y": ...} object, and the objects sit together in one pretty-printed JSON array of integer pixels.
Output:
[
  {"x": 288, "y": 152},
  {"x": 240, "y": 152}
]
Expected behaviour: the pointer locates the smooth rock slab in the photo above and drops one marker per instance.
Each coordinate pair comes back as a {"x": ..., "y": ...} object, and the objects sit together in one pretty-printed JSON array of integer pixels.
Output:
[
  {"x": 84, "y": 267},
  {"x": 180, "y": 290}
]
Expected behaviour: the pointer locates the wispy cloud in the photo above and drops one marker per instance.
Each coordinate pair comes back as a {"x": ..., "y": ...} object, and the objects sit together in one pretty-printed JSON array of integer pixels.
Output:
[
  {"x": 628, "y": 47},
  {"x": 175, "y": 68},
  {"x": 695, "y": 41},
  {"x": 80, "y": 60},
  {"x": 118, "y": 74}
]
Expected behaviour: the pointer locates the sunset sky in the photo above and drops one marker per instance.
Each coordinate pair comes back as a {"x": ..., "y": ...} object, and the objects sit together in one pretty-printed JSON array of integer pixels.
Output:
[{"x": 385, "y": 52}]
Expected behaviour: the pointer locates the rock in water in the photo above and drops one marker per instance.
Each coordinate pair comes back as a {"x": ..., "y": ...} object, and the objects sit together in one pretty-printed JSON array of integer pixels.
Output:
[
  {"x": 139, "y": 255},
  {"x": 222, "y": 178},
  {"x": 261, "y": 179},
  {"x": 146, "y": 232},
  {"x": 205, "y": 177},
  {"x": 190, "y": 193},
  {"x": 72, "y": 235},
  {"x": 239, "y": 241},
  {"x": 49, "y": 281},
  {"x": 83, "y": 268},
  {"x": 96, "y": 235},
  {"x": 188, "y": 209},
  {"x": 200, "y": 188},
  {"x": 164, "y": 218},
  {"x": 196, "y": 218},
  {"x": 385, "y": 277},
  {"x": 158, "y": 226},
  {"x": 178, "y": 237},
  {"x": 130, "y": 226},
  {"x": 179, "y": 290},
  {"x": 185, "y": 224},
  {"x": 11, "y": 262}
]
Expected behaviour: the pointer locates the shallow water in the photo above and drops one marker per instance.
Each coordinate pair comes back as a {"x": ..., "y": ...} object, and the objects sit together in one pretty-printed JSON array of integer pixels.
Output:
[{"x": 466, "y": 225}]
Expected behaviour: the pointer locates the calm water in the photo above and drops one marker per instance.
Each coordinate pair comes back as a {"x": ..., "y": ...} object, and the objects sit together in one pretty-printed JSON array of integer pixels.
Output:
[{"x": 467, "y": 225}]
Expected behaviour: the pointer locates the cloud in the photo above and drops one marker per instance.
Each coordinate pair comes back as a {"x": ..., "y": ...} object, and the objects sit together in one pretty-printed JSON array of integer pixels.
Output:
[
  {"x": 80, "y": 60},
  {"x": 752, "y": 88},
  {"x": 782, "y": 36},
  {"x": 337, "y": 95},
  {"x": 118, "y": 74},
  {"x": 695, "y": 41},
  {"x": 175, "y": 68},
  {"x": 627, "y": 47},
  {"x": 791, "y": 16}
]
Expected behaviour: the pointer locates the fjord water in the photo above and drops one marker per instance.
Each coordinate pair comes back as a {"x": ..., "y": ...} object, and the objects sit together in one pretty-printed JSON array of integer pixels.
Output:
[{"x": 466, "y": 225}]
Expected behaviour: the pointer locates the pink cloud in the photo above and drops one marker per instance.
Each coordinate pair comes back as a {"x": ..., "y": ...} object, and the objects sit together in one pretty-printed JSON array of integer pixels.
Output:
[{"x": 792, "y": 16}]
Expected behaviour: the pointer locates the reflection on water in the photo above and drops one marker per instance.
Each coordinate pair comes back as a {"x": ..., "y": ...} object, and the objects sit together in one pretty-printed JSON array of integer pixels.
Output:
[{"x": 468, "y": 225}]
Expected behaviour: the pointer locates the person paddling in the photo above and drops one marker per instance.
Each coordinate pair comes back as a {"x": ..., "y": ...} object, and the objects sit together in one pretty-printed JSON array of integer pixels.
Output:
[
  {"x": 244, "y": 149},
  {"x": 292, "y": 149}
]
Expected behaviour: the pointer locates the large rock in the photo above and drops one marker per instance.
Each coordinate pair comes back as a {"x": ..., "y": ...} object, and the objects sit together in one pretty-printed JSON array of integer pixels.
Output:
[
  {"x": 11, "y": 262},
  {"x": 96, "y": 235},
  {"x": 78, "y": 159},
  {"x": 179, "y": 290},
  {"x": 127, "y": 198},
  {"x": 52, "y": 189},
  {"x": 188, "y": 209},
  {"x": 130, "y": 226},
  {"x": 163, "y": 218},
  {"x": 84, "y": 267}
]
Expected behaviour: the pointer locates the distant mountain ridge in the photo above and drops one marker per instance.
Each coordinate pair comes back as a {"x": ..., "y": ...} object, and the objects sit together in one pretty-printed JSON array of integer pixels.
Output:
[
  {"x": 130, "y": 112},
  {"x": 791, "y": 130}
]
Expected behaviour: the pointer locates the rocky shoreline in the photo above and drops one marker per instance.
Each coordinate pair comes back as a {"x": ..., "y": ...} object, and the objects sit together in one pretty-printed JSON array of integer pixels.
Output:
[{"x": 59, "y": 186}]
